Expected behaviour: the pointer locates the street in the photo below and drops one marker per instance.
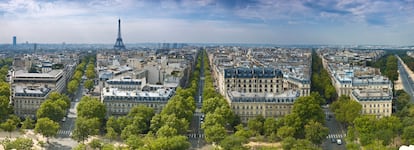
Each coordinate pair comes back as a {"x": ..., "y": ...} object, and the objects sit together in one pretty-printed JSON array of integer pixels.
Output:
[
  {"x": 405, "y": 79},
  {"x": 196, "y": 136},
  {"x": 336, "y": 131},
  {"x": 63, "y": 139}
]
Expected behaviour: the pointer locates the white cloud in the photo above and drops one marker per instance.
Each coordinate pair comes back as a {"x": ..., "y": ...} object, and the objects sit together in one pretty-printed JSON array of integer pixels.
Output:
[{"x": 279, "y": 22}]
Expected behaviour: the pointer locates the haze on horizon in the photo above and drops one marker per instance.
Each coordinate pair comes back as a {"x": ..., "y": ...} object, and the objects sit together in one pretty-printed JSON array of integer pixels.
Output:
[{"x": 345, "y": 22}]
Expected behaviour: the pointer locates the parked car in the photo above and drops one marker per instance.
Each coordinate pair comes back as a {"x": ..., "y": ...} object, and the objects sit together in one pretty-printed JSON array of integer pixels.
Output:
[{"x": 333, "y": 140}]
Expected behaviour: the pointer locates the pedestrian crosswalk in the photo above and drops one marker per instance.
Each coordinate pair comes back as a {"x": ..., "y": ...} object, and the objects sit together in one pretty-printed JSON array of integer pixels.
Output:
[
  {"x": 335, "y": 136},
  {"x": 195, "y": 136},
  {"x": 64, "y": 132}
]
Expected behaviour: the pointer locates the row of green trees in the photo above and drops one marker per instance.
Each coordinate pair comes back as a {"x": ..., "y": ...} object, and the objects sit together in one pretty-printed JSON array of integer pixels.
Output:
[
  {"x": 409, "y": 61},
  {"x": 388, "y": 66},
  {"x": 90, "y": 73},
  {"x": 73, "y": 84},
  {"x": 5, "y": 108},
  {"x": 321, "y": 81},
  {"x": 219, "y": 118}
]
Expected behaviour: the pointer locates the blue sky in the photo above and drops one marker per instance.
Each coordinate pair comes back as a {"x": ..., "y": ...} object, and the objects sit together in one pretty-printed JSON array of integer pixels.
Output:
[{"x": 345, "y": 22}]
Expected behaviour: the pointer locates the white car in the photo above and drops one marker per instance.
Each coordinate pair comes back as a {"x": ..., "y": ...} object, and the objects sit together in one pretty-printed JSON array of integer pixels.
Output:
[{"x": 338, "y": 141}]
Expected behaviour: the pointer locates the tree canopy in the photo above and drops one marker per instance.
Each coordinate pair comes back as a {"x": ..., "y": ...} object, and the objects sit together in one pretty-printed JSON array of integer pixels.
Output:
[
  {"x": 46, "y": 127},
  {"x": 346, "y": 110},
  {"x": 84, "y": 127},
  {"x": 91, "y": 108}
]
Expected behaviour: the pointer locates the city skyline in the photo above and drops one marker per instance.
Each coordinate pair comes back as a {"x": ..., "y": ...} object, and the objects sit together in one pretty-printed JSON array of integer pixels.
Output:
[{"x": 210, "y": 21}]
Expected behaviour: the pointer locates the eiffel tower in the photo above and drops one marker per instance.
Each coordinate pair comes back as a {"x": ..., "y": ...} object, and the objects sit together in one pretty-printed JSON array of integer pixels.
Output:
[{"x": 119, "y": 44}]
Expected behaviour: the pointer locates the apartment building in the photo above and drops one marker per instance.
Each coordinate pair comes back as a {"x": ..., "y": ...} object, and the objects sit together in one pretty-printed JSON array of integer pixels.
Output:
[
  {"x": 26, "y": 101},
  {"x": 374, "y": 101},
  {"x": 260, "y": 81},
  {"x": 119, "y": 102},
  {"x": 258, "y": 91},
  {"x": 29, "y": 90},
  {"x": 363, "y": 84}
]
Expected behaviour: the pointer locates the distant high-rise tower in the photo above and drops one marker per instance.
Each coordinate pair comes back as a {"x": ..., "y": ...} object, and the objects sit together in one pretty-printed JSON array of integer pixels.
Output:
[
  {"x": 14, "y": 41},
  {"x": 119, "y": 44}
]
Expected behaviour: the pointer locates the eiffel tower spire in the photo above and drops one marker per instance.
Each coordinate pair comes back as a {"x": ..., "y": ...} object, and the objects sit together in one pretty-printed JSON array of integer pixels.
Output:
[{"x": 119, "y": 44}]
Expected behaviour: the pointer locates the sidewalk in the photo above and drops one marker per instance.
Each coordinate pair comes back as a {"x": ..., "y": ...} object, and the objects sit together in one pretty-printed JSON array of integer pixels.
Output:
[{"x": 29, "y": 134}]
